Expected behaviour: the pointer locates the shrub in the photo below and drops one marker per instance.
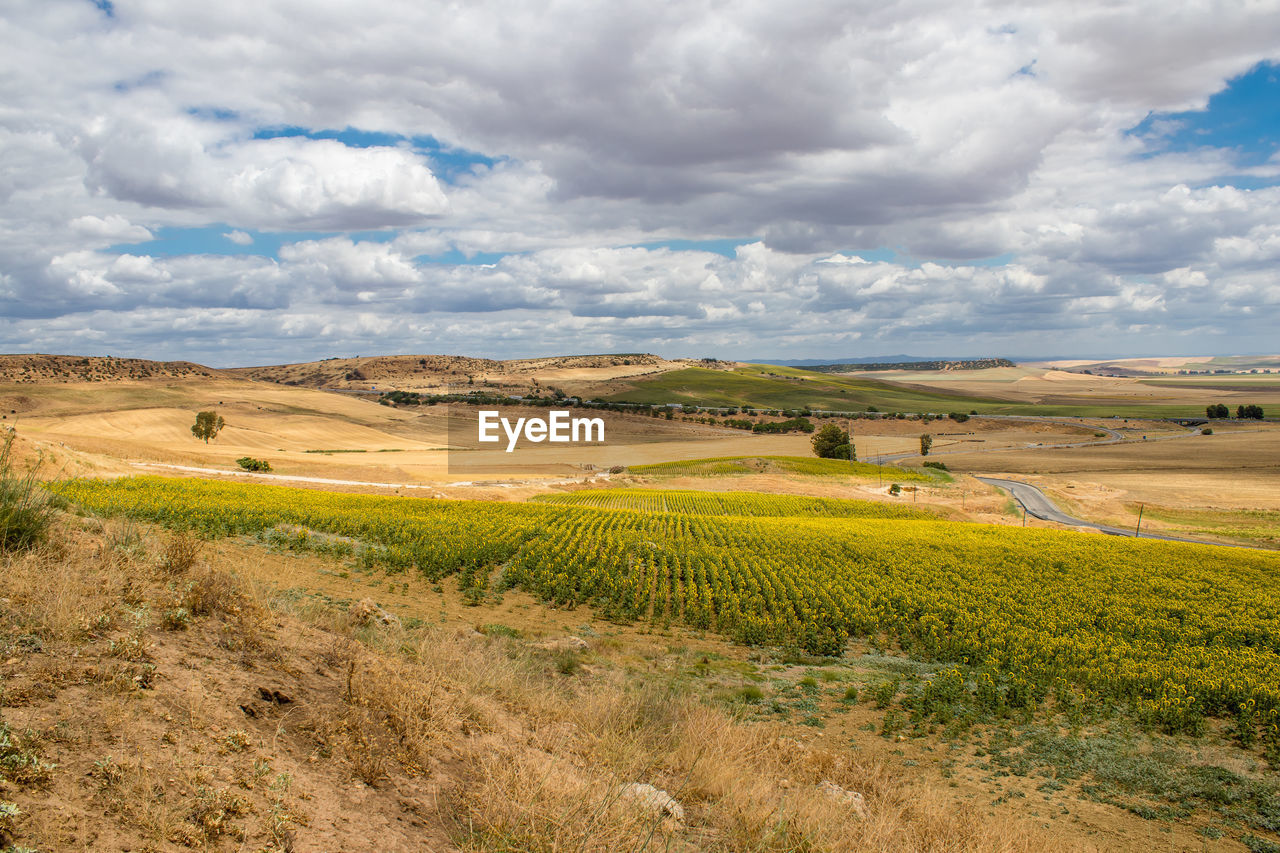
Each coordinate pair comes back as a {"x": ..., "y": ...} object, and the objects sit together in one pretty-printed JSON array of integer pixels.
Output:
[
  {"x": 895, "y": 489},
  {"x": 884, "y": 694},
  {"x": 248, "y": 463},
  {"x": 1206, "y": 431},
  {"x": 26, "y": 510},
  {"x": 941, "y": 466}
]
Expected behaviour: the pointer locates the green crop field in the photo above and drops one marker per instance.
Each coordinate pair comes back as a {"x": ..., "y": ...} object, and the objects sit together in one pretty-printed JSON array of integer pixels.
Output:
[
  {"x": 809, "y": 466},
  {"x": 767, "y": 386}
]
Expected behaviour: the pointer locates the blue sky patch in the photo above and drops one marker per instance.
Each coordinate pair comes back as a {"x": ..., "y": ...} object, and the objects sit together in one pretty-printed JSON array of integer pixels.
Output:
[
  {"x": 1243, "y": 117},
  {"x": 106, "y": 7},
  {"x": 213, "y": 114},
  {"x": 727, "y": 246},
  {"x": 891, "y": 256},
  {"x": 453, "y": 257},
  {"x": 447, "y": 163},
  {"x": 151, "y": 78}
]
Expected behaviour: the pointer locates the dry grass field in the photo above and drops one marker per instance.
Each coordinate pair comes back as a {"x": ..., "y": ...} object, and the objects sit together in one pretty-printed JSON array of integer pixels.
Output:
[
  {"x": 305, "y": 432},
  {"x": 1049, "y": 385}
]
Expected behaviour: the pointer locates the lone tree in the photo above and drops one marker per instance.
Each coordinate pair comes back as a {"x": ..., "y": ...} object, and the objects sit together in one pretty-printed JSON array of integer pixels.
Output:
[
  {"x": 926, "y": 444},
  {"x": 831, "y": 442},
  {"x": 207, "y": 425}
]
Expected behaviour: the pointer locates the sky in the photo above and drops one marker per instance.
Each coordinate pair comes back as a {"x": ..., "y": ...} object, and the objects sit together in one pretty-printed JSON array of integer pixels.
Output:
[{"x": 273, "y": 181}]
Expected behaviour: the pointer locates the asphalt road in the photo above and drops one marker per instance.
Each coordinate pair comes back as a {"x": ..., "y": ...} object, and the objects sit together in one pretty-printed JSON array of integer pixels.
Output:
[{"x": 1038, "y": 505}]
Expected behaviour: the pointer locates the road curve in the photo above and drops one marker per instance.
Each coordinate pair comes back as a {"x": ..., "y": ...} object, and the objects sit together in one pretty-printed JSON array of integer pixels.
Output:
[{"x": 1037, "y": 504}]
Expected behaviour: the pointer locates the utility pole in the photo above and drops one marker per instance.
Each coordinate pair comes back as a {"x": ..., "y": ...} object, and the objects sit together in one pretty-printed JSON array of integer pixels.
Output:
[
  {"x": 1137, "y": 531},
  {"x": 1024, "y": 516}
]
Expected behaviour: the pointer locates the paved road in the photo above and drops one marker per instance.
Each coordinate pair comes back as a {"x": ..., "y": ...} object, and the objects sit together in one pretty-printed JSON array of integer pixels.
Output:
[{"x": 1037, "y": 504}]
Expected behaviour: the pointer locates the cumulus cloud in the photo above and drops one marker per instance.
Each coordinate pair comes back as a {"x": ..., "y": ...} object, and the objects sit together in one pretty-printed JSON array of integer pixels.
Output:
[
  {"x": 289, "y": 183},
  {"x": 112, "y": 228}
]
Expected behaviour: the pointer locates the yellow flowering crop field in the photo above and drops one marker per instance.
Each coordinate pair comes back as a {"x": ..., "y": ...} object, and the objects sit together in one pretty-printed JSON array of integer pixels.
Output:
[{"x": 1178, "y": 632}]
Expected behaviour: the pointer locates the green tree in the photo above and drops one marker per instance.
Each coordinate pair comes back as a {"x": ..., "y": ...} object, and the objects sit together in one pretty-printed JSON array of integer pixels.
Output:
[
  {"x": 831, "y": 442},
  {"x": 207, "y": 425},
  {"x": 926, "y": 444}
]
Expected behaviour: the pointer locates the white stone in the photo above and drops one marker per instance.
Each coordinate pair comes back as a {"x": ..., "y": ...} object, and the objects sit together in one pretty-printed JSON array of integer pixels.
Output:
[{"x": 654, "y": 799}]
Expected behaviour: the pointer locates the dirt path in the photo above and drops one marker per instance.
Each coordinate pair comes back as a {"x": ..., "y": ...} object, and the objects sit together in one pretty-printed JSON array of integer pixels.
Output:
[{"x": 327, "y": 481}]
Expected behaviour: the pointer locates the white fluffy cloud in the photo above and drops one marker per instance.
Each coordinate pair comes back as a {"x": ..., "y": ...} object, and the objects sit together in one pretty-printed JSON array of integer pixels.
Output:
[
  {"x": 942, "y": 131},
  {"x": 283, "y": 183}
]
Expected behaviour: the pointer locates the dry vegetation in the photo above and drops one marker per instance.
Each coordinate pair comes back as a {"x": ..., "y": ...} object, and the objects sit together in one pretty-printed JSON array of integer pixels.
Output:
[
  {"x": 157, "y": 697},
  {"x": 31, "y": 369},
  {"x": 450, "y": 373}
]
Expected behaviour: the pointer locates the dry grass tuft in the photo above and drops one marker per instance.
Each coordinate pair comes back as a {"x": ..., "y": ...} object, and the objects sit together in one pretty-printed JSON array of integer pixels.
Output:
[{"x": 180, "y": 553}]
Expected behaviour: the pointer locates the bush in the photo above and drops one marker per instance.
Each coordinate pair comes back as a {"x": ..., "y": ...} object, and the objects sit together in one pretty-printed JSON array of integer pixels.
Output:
[
  {"x": 895, "y": 489},
  {"x": 248, "y": 463},
  {"x": 941, "y": 466},
  {"x": 26, "y": 510},
  {"x": 1206, "y": 431}
]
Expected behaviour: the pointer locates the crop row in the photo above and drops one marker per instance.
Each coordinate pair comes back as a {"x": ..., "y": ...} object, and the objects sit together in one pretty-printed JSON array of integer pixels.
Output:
[{"x": 746, "y": 504}]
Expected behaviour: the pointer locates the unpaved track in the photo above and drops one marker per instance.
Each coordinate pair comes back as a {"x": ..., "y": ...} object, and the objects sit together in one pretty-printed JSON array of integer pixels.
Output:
[{"x": 255, "y": 475}]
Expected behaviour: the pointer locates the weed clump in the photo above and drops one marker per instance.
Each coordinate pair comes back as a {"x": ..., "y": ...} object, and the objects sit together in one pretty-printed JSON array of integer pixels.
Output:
[{"x": 26, "y": 509}]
